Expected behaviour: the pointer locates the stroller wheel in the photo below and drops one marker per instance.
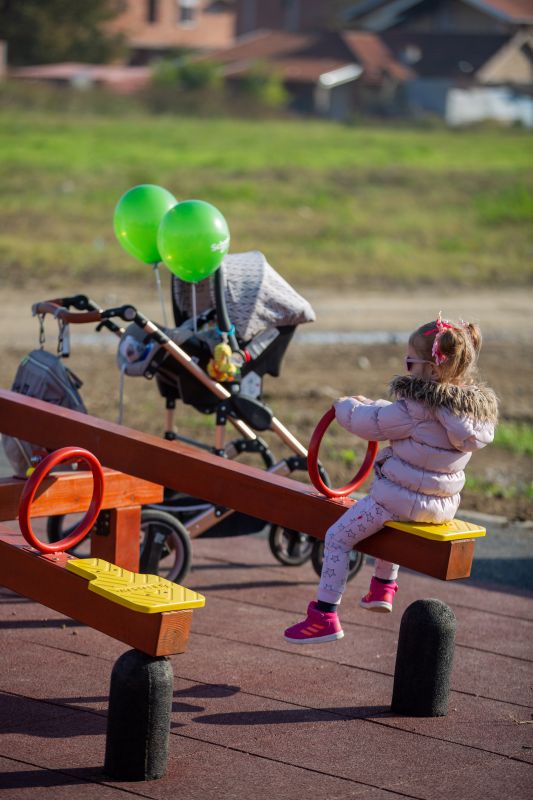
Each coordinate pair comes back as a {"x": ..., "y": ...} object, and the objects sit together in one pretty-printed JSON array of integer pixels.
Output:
[
  {"x": 290, "y": 547},
  {"x": 165, "y": 545},
  {"x": 357, "y": 559}
]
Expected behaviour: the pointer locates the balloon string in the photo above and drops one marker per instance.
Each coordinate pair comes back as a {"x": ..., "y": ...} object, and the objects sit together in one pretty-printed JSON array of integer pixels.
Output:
[
  {"x": 193, "y": 298},
  {"x": 120, "y": 416},
  {"x": 159, "y": 289}
]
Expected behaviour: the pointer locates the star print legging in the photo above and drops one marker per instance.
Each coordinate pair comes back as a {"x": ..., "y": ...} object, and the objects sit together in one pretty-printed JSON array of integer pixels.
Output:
[{"x": 361, "y": 520}]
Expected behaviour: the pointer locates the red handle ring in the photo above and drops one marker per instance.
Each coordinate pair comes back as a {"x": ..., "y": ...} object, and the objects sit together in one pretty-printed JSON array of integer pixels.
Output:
[
  {"x": 312, "y": 461},
  {"x": 32, "y": 484}
]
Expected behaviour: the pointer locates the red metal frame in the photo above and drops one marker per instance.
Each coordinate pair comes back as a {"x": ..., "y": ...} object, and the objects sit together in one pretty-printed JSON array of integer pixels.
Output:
[
  {"x": 33, "y": 483},
  {"x": 312, "y": 461}
]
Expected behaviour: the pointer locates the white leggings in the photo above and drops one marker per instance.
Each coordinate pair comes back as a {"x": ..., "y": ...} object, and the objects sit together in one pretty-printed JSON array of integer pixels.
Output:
[{"x": 360, "y": 521}]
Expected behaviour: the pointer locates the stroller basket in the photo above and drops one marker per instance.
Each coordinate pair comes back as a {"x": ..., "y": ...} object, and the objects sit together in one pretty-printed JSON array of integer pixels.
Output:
[{"x": 176, "y": 383}]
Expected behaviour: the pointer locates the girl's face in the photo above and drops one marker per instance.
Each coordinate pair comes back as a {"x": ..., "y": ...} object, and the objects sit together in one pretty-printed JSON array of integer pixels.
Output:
[{"x": 418, "y": 367}]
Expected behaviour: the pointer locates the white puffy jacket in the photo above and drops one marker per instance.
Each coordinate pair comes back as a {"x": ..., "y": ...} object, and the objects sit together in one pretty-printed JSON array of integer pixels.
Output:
[{"x": 433, "y": 430}]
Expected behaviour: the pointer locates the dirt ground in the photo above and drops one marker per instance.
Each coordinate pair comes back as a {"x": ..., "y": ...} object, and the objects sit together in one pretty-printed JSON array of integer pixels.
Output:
[{"x": 355, "y": 346}]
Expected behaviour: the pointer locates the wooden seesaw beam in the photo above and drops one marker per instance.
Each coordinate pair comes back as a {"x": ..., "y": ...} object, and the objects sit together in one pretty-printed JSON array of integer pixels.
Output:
[{"x": 273, "y": 498}]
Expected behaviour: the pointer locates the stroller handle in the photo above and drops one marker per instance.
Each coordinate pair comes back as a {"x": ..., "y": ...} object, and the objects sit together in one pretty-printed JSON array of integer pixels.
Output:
[{"x": 86, "y": 311}]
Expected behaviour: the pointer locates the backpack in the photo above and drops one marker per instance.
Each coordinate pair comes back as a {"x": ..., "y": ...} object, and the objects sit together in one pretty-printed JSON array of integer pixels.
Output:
[{"x": 41, "y": 375}]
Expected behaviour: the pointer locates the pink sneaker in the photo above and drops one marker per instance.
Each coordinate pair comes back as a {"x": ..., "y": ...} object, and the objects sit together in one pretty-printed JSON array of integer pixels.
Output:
[
  {"x": 318, "y": 627},
  {"x": 380, "y": 596}
]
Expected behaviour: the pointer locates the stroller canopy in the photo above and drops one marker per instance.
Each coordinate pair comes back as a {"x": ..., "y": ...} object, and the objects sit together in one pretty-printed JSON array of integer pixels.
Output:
[{"x": 257, "y": 297}]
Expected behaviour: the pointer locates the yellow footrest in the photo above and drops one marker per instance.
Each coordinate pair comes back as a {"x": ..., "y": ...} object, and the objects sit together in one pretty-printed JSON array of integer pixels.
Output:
[
  {"x": 148, "y": 594},
  {"x": 447, "y": 532}
]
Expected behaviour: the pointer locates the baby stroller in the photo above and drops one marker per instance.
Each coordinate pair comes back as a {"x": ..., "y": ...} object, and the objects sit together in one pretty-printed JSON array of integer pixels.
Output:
[{"x": 251, "y": 313}]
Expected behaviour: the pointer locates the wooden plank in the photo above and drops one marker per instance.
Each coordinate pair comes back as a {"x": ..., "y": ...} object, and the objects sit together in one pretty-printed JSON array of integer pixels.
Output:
[
  {"x": 69, "y": 492},
  {"x": 445, "y": 560},
  {"x": 45, "y": 580},
  {"x": 118, "y": 541},
  {"x": 187, "y": 469}
]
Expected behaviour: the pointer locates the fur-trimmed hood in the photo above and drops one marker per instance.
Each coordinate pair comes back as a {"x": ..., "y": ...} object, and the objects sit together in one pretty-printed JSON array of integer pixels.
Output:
[{"x": 478, "y": 402}]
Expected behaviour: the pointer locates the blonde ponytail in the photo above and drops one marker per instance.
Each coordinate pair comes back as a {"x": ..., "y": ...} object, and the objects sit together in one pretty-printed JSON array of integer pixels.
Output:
[{"x": 452, "y": 347}]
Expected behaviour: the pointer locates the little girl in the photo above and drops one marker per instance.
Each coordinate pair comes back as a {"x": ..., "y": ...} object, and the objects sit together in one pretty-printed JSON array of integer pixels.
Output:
[{"x": 439, "y": 417}]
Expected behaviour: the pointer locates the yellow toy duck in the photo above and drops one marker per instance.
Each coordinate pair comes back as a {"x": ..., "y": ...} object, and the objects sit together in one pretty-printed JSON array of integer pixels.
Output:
[{"x": 221, "y": 367}]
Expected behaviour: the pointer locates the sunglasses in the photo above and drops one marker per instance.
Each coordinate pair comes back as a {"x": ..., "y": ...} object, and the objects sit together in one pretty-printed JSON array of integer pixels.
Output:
[{"x": 409, "y": 361}]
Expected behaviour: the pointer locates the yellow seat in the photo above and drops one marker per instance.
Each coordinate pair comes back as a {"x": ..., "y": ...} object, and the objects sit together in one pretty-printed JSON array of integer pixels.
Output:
[
  {"x": 447, "y": 532},
  {"x": 148, "y": 594}
]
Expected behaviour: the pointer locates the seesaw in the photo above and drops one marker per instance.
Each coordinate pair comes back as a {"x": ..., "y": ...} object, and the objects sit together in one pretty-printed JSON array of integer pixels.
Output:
[
  {"x": 82, "y": 590},
  {"x": 444, "y": 552}
]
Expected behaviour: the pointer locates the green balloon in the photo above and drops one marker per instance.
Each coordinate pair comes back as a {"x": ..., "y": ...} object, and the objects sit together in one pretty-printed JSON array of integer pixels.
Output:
[
  {"x": 193, "y": 239},
  {"x": 136, "y": 221}
]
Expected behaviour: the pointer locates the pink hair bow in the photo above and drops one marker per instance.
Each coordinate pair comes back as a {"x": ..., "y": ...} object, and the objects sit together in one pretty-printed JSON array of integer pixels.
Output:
[{"x": 441, "y": 325}]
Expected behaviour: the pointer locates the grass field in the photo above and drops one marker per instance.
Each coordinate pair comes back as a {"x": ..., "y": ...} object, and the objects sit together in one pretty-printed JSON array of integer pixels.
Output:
[{"x": 327, "y": 203}]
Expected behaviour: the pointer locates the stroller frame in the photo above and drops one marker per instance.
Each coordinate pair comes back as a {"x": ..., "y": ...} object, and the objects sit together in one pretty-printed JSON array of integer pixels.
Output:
[{"x": 245, "y": 414}]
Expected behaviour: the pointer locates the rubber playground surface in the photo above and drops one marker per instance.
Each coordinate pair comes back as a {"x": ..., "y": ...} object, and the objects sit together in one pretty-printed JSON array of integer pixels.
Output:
[{"x": 256, "y": 717}]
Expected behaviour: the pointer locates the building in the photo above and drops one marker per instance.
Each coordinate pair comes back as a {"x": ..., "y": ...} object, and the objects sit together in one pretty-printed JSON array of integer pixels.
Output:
[
  {"x": 462, "y": 60},
  {"x": 328, "y": 73},
  {"x": 442, "y": 16},
  {"x": 292, "y": 16},
  {"x": 155, "y": 28},
  {"x": 152, "y": 28},
  {"x": 470, "y": 59},
  {"x": 424, "y": 16}
]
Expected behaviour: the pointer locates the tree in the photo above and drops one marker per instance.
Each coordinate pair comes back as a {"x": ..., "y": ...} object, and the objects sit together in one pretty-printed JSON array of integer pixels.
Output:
[
  {"x": 188, "y": 75},
  {"x": 262, "y": 84},
  {"x": 48, "y": 31}
]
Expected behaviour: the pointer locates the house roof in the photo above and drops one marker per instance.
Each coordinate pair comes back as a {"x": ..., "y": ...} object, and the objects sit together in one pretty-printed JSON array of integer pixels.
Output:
[
  {"x": 519, "y": 12},
  {"x": 374, "y": 56},
  {"x": 122, "y": 78},
  {"x": 305, "y": 57},
  {"x": 504, "y": 67},
  {"x": 264, "y": 44},
  {"x": 437, "y": 55},
  {"x": 294, "y": 70}
]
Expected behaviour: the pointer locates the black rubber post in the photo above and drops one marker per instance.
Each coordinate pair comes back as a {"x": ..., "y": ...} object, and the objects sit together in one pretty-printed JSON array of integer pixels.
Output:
[
  {"x": 424, "y": 660},
  {"x": 138, "y": 723}
]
